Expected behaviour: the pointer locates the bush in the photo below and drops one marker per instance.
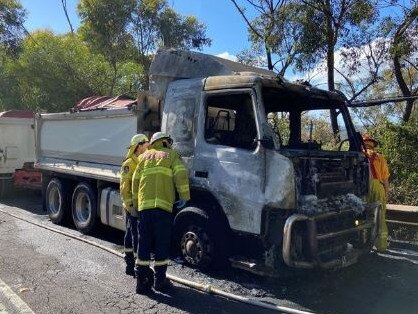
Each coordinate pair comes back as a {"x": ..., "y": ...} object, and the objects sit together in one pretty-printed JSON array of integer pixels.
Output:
[{"x": 399, "y": 144}]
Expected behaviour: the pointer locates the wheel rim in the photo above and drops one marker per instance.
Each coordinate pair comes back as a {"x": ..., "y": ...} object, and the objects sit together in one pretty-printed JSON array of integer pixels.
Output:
[
  {"x": 82, "y": 207},
  {"x": 196, "y": 246},
  {"x": 54, "y": 200}
]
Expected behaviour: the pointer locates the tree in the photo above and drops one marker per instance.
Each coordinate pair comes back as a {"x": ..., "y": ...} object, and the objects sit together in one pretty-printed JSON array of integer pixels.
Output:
[
  {"x": 396, "y": 58},
  {"x": 399, "y": 144},
  {"x": 155, "y": 25},
  {"x": 54, "y": 72},
  {"x": 404, "y": 50},
  {"x": 64, "y": 7},
  {"x": 104, "y": 26},
  {"x": 134, "y": 29},
  {"x": 362, "y": 65},
  {"x": 12, "y": 16},
  {"x": 326, "y": 26},
  {"x": 314, "y": 30},
  {"x": 274, "y": 31},
  {"x": 9, "y": 96}
]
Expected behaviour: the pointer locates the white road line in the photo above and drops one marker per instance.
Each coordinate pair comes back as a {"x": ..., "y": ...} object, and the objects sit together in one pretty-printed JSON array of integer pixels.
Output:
[
  {"x": 3, "y": 309},
  {"x": 17, "y": 302}
]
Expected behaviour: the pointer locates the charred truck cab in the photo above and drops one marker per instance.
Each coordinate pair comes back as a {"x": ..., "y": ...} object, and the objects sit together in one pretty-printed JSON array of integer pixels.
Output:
[{"x": 272, "y": 187}]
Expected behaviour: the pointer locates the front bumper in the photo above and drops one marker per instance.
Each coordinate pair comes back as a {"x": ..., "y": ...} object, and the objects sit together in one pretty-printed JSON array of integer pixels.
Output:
[{"x": 352, "y": 241}]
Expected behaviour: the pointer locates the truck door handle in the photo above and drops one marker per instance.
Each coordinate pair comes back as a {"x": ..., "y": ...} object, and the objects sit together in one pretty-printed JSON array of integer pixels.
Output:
[{"x": 201, "y": 174}]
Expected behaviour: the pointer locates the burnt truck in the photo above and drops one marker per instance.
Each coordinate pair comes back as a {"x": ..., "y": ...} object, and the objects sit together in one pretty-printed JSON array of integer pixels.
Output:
[
  {"x": 270, "y": 187},
  {"x": 17, "y": 152}
]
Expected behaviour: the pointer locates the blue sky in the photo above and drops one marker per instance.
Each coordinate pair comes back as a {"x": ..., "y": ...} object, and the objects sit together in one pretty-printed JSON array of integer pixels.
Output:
[{"x": 224, "y": 24}]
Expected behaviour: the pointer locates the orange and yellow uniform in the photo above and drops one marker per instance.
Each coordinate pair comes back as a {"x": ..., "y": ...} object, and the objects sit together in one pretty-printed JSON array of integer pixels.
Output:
[{"x": 379, "y": 176}]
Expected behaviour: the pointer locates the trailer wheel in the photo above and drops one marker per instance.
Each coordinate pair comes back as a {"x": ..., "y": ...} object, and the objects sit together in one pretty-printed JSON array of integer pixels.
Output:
[
  {"x": 197, "y": 242},
  {"x": 55, "y": 201},
  {"x": 84, "y": 208}
]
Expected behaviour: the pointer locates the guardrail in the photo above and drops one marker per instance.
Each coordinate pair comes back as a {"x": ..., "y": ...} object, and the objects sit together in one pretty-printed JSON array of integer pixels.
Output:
[{"x": 402, "y": 208}]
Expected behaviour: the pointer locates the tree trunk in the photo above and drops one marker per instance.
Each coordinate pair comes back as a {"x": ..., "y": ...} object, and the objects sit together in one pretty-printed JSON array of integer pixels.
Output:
[
  {"x": 397, "y": 40},
  {"x": 408, "y": 110},
  {"x": 64, "y": 6},
  {"x": 330, "y": 69},
  {"x": 269, "y": 63}
]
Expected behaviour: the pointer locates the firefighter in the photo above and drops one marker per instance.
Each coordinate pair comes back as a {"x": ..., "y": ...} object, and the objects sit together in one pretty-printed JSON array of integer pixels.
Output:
[
  {"x": 159, "y": 174},
  {"x": 139, "y": 144},
  {"x": 378, "y": 188}
]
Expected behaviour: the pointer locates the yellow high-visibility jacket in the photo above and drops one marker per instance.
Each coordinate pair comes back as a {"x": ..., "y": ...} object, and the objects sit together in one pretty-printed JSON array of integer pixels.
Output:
[
  {"x": 126, "y": 173},
  {"x": 159, "y": 173},
  {"x": 378, "y": 166}
]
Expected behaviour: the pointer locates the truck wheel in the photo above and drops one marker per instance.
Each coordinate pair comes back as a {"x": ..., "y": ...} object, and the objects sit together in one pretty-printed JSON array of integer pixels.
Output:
[
  {"x": 84, "y": 208},
  {"x": 197, "y": 243},
  {"x": 56, "y": 205}
]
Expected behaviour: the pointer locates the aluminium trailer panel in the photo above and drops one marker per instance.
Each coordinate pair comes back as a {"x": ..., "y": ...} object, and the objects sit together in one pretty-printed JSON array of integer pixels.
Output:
[
  {"x": 17, "y": 143},
  {"x": 88, "y": 144}
]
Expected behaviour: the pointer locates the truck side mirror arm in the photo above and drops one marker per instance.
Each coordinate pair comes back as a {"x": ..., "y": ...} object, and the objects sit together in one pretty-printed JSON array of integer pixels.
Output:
[{"x": 266, "y": 142}]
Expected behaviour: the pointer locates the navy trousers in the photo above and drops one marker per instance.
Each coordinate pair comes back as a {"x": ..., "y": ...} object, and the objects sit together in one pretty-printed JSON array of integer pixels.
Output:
[
  {"x": 154, "y": 230},
  {"x": 131, "y": 234}
]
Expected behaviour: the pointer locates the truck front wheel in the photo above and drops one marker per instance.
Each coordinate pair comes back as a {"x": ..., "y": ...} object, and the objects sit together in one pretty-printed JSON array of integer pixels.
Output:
[
  {"x": 84, "y": 208},
  {"x": 196, "y": 241},
  {"x": 56, "y": 205}
]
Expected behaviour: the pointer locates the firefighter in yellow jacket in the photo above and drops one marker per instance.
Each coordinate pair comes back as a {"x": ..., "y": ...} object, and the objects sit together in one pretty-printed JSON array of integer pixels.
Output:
[
  {"x": 159, "y": 174},
  {"x": 378, "y": 188},
  {"x": 139, "y": 144}
]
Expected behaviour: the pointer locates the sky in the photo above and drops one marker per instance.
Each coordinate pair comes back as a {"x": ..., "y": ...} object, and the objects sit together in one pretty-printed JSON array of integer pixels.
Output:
[{"x": 224, "y": 24}]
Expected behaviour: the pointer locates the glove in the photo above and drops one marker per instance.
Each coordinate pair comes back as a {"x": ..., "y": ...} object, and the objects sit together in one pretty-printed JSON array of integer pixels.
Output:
[{"x": 180, "y": 204}]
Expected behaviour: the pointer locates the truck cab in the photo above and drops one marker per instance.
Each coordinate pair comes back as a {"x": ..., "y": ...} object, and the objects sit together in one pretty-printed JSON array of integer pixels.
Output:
[{"x": 266, "y": 170}]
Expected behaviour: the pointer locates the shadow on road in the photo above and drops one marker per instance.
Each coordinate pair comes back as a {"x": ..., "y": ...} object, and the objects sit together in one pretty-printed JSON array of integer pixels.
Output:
[{"x": 29, "y": 200}]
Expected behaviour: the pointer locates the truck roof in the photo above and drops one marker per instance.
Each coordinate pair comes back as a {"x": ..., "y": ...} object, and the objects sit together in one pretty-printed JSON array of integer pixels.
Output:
[
  {"x": 172, "y": 64},
  {"x": 180, "y": 64},
  {"x": 16, "y": 114}
]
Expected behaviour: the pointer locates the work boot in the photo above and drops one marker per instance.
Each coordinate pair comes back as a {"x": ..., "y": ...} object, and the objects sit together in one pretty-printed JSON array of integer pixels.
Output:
[
  {"x": 130, "y": 264},
  {"x": 163, "y": 285},
  {"x": 144, "y": 276},
  {"x": 161, "y": 282}
]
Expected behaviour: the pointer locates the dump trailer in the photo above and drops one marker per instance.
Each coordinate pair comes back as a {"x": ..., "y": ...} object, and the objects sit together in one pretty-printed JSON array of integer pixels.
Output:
[
  {"x": 17, "y": 152},
  {"x": 271, "y": 187}
]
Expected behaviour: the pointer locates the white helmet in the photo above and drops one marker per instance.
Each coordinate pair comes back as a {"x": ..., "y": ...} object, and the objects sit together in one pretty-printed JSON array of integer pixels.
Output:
[{"x": 160, "y": 135}]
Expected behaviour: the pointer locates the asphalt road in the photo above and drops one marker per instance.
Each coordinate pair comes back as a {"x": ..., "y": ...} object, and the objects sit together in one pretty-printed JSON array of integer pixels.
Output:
[{"x": 52, "y": 273}]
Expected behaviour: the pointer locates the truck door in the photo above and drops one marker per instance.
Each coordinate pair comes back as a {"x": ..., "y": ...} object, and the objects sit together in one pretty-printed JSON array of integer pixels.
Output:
[{"x": 229, "y": 161}]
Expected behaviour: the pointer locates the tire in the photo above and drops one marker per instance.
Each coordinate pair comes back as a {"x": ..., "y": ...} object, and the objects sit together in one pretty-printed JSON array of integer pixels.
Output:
[
  {"x": 55, "y": 201},
  {"x": 84, "y": 208},
  {"x": 198, "y": 244}
]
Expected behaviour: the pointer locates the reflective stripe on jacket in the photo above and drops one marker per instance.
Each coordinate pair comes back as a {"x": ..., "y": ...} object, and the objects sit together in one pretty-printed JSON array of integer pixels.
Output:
[
  {"x": 160, "y": 172},
  {"x": 126, "y": 173}
]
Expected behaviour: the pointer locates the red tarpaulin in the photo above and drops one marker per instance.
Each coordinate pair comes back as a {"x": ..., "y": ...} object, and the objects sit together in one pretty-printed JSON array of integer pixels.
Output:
[
  {"x": 16, "y": 114},
  {"x": 103, "y": 102}
]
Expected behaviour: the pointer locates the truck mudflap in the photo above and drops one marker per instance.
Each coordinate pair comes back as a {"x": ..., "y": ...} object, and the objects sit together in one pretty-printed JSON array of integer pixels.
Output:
[{"x": 306, "y": 244}]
